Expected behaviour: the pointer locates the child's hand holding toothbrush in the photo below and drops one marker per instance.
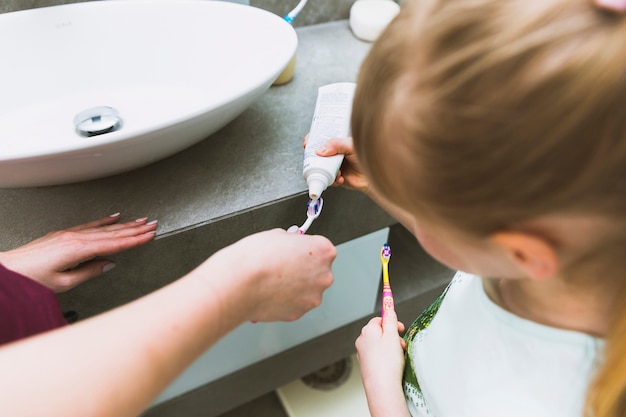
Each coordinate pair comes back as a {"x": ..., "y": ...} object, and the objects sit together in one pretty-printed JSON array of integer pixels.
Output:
[{"x": 380, "y": 351}]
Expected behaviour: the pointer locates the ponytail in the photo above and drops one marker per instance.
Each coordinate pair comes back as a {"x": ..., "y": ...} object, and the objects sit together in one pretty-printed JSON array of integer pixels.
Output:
[{"x": 607, "y": 394}]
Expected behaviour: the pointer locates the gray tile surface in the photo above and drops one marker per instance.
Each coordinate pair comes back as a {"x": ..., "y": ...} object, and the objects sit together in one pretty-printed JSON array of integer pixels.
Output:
[{"x": 16, "y": 5}]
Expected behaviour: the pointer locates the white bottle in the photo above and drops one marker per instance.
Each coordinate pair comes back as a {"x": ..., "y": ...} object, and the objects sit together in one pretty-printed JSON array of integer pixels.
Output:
[
  {"x": 368, "y": 18},
  {"x": 331, "y": 119}
]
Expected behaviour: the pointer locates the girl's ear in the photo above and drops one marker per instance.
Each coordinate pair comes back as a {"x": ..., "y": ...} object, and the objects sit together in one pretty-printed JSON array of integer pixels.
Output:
[{"x": 533, "y": 255}]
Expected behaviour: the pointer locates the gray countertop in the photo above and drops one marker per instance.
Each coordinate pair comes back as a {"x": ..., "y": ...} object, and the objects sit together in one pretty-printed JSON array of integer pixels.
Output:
[{"x": 253, "y": 161}]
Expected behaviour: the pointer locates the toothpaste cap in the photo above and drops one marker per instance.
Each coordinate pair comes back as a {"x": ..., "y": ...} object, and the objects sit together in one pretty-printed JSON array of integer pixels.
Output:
[{"x": 317, "y": 185}]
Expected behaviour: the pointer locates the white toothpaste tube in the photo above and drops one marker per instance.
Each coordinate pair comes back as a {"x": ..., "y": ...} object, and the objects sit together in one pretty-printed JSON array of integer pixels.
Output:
[{"x": 331, "y": 119}]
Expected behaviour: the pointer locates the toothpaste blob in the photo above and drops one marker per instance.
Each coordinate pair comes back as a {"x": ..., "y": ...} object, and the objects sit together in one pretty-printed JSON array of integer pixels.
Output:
[
  {"x": 313, "y": 210},
  {"x": 331, "y": 119}
]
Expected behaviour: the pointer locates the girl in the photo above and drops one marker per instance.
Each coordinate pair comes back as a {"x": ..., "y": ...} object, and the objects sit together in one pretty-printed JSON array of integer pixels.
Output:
[{"x": 496, "y": 132}]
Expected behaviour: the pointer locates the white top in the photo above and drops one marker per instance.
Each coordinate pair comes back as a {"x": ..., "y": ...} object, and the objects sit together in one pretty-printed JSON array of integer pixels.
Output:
[{"x": 476, "y": 359}]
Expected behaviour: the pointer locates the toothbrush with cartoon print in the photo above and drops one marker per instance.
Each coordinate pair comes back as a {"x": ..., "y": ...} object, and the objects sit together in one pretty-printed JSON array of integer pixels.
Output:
[{"x": 387, "y": 304}]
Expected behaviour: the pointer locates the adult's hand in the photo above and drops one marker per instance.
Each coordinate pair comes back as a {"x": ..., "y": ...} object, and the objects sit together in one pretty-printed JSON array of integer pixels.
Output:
[
  {"x": 618, "y": 6},
  {"x": 274, "y": 275},
  {"x": 63, "y": 259}
]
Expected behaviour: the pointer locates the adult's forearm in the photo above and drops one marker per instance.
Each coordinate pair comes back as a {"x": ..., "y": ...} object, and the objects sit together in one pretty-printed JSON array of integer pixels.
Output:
[
  {"x": 115, "y": 364},
  {"x": 86, "y": 369}
]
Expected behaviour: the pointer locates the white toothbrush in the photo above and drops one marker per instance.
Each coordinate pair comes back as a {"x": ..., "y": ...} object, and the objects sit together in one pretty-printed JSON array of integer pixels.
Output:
[
  {"x": 313, "y": 210},
  {"x": 289, "y": 17}
]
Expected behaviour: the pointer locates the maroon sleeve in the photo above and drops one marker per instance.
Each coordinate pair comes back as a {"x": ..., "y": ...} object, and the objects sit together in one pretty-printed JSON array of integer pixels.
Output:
[{"x": 26, "y": 307}]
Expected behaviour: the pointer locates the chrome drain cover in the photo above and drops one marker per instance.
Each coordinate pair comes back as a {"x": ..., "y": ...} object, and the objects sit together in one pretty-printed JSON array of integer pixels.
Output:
[{"x": 97, "y": 121}]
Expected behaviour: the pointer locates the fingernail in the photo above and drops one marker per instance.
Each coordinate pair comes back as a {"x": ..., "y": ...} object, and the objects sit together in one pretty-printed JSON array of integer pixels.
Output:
[
  {"x": 292, "y": 229},
  {"x": 152, "y": 222},
  {"x": 115, "y": 214},
  {"x": 322, "y": 149},
  {"x": 141, "y": 219},
  {"x": 108, "y": 267},
  {"x": 617, "y": 5}
]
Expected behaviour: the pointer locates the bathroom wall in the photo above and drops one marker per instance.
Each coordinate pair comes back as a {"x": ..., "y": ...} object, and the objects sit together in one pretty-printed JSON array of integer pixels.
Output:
[{"x": 316, "y": 11}]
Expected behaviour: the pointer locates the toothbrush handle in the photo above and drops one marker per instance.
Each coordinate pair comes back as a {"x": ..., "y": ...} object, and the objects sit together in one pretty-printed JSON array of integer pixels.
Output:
[
  {"x": 303, "y": 229},
  {"x": 387, "y": 303}
]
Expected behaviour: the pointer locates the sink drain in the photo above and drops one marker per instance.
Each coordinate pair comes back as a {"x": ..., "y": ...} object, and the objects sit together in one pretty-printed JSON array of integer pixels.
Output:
[
  {"x": 329, "y": 377},
  {"x": 97, "y": 121}
]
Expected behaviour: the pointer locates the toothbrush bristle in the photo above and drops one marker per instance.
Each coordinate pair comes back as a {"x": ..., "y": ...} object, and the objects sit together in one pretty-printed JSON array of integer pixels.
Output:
[
  {"x": 314, "y": 206},
  {"x": 385, "y": 252}
]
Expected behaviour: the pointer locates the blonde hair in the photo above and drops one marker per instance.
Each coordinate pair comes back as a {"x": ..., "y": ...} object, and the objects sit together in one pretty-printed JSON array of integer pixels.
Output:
[
  {"x": 607, "y": 396},
  {"x": 487, "y": 113}
]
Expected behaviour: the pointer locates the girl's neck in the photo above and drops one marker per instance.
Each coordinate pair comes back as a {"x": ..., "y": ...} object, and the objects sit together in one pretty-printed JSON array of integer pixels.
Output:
[{"x": 557, "y": 302}]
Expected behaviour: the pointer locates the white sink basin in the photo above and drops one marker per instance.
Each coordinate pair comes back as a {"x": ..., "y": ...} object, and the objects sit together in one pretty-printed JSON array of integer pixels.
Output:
[{"x": 175, "y": 71}]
